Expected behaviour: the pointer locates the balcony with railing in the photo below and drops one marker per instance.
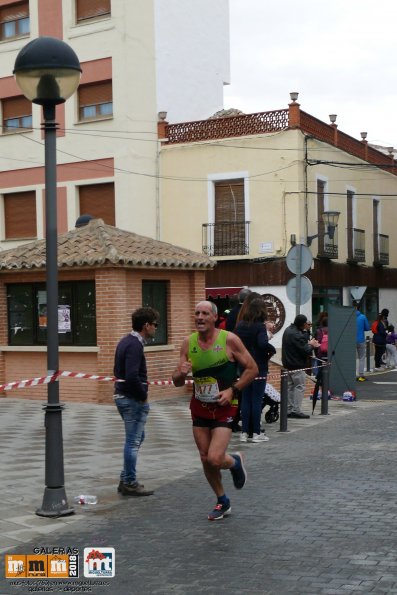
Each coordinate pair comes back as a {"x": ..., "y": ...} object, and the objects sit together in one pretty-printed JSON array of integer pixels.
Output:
[
  {"x": 356, "y": 245},
  {"x": 381, "y": 250},
  {"x": 226, "y": 238},
  {"x": 328, "y": 247}
]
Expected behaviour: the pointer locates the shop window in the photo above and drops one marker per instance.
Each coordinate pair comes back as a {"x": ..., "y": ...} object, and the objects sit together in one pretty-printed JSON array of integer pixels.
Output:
[
  {"x": 20, "y": 215},
  {"x": 92, "y": 9},
  {"x": 155, "y": 294},
  {"x": 17, "y": 114},
  {"x": 98, "y": 200},
  {"x": 14, "y": 21},
  {"x": 27, "y": 314},
  {"x": 95, "y": 101}
]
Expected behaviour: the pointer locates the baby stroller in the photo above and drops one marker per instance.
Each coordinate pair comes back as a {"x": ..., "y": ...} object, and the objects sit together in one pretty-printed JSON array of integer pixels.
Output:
[{"x": 272, "y": 399}]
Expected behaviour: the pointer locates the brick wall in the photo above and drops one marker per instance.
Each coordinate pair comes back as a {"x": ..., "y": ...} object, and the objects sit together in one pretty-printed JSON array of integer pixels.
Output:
[{"x": 118, "y": 293}]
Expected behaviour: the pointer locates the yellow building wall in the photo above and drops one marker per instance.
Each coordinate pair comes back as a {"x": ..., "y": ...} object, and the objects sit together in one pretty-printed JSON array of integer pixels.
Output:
[{"x": 280, "y": 192}]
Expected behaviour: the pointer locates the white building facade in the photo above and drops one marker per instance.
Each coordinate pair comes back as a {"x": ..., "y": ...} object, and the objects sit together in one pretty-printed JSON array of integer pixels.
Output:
[
  {"x": 137, "y": 58},
  {"x": 192, "y": 57}
]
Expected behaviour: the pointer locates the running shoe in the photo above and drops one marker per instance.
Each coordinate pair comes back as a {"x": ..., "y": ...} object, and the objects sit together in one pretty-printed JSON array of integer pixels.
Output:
[
  {"x": 260, "y": 438},
  {"x": 361, "y": 379},
  {"x": 220, "y": 511},
  {"x": 243, "y": 437},
  {"x": 239, "y": 474}
]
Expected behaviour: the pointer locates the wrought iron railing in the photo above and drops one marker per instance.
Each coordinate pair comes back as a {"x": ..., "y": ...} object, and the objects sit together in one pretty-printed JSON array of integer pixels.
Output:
[
  {"x": 358, "y": 245},
  {"x": 382, "y": 257},
  {"x": 227, "y": 238},
  {"x": 328, "y": 247}
]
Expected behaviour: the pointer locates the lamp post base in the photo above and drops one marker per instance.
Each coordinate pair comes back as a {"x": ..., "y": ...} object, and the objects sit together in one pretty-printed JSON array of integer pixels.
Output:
[{"x": 55, "y": 503}]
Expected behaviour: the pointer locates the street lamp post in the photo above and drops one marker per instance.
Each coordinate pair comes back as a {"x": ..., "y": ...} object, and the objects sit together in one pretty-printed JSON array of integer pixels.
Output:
[{"x": 48, "y": 71}]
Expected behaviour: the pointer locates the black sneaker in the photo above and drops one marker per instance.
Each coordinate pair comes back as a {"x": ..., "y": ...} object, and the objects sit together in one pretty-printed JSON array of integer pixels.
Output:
[
  {"x": 220, "y": 511},
  {"x": 135, "y": 490},
  {"x": 120, "y": 486},
  {"x": 239, "y": 473},
  {"x": 298, "y": 415}
]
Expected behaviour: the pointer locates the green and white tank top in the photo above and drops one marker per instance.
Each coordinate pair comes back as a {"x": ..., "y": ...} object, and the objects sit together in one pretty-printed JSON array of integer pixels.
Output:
[{"x": 212, "y": 370}]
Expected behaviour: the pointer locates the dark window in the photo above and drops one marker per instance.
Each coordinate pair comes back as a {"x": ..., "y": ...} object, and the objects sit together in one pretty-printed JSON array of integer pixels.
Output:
[
  {"x": 95, "y": 101},
  {"x": 14, "y": 20},
  {"x": 20, "y": 215},
  {"x": 90, "y": 9},
  {"x": 155, "y": 294},
  {"x": 17, "y": 114},
  {"x": 27, "y": 314},
  {"x": 98, "y": 200}
]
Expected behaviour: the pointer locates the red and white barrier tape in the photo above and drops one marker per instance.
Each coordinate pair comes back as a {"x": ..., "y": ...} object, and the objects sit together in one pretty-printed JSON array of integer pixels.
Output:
[{"x": 82, "y": 375}]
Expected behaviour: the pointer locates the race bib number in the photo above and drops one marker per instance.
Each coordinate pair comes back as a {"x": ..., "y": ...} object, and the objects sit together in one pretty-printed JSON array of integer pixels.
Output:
[{"x": 206, "y": 389}]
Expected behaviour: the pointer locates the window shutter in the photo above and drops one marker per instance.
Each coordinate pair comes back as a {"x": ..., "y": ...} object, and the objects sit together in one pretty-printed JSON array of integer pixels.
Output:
[
  {"x": 20, "y": 215},
  {"x": 88, "y": 9},
  {"x": 14, "y": 12},
  {"x": 349, "y": 212},
  {"x": 375, "y": 228},
  {"x": 95, "y": 93},
  {"x": 98, "y": 200},
  {"x": 229, "y": 201},
  {"x": 16, "y": 107}
]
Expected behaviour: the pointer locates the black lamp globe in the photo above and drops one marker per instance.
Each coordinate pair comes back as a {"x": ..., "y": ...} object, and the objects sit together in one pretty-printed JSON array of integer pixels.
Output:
[{"x": 47, "y": 70}]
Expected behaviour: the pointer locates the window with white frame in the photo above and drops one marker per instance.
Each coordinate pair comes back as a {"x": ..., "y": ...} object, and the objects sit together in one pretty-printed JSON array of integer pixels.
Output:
[
  {"x": 95, "y": 101},
  {"x": 16, "y": 114},
  {"x": 14, "y": 20}
]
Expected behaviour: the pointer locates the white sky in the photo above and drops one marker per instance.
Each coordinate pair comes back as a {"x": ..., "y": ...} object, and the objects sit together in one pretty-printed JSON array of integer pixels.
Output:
[{"x": 339, "y": 54}]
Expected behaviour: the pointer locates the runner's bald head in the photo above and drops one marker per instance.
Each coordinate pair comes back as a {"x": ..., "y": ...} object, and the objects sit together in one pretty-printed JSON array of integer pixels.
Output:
[{"x": 210, "y": 305}]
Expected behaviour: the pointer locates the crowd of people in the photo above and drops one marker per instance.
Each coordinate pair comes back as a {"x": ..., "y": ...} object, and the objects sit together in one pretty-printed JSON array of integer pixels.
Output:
[
  {"x": 227, "y": 357},
  {"x": 384, "y": 339}
]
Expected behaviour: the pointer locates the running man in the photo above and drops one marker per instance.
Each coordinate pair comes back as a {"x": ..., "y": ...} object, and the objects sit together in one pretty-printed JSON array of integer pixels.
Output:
[{"x": 212, "y": 356}]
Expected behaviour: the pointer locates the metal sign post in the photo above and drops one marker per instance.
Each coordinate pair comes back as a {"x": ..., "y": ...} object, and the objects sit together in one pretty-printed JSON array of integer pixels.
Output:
[{"x": 299, "y": 260}]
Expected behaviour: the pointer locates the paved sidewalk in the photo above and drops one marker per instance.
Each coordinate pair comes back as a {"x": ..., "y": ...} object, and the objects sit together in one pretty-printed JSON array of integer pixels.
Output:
[{"x": 318, "y": 515}]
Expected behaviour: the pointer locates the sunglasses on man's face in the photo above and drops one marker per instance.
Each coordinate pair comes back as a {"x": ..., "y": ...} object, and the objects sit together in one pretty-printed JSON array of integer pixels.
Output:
[{"x": 155, "y": 324}]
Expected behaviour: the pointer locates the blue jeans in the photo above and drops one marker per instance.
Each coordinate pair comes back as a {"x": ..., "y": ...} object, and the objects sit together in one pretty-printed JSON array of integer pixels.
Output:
[
  {"x": 251, "y": 406},
  {"x": 134, "y": 414}
]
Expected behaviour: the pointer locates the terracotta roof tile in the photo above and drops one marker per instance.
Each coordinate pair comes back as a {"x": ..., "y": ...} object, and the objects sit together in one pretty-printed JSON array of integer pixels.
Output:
[{"x": 98, "y": 244}]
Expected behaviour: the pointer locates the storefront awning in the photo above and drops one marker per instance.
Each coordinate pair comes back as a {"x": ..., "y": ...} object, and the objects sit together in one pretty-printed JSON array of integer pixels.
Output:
[{"x": 221, "y": 292}]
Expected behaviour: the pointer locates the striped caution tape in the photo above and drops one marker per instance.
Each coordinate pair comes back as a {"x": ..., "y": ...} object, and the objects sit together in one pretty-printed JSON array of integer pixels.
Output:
[{"x": 103, "y": 378}]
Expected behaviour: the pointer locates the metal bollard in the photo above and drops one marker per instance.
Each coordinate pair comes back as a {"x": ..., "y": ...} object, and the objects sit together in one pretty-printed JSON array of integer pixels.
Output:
[
  {"x": 368, "y": 353},
  {"x": 284, "y": 401},
  {"x": 324, "y": 390}
]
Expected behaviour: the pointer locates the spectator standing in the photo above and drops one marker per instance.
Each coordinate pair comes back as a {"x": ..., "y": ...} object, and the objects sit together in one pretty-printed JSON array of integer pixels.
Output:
[
  {"x": 232, "y": 316},
  {"x": 132, "y": 394},
  {"x": 322, "y": 354},
  {"x": 379, "y": 338},
  {"x": 362, "y": 325},
  {"x": 252, "y": 331},
  {"x": 295, "y": 351},
  {"x": 391, "y": 349},
  {"x": 233, "y": 301},
  {"x": 318, "y": 326}
]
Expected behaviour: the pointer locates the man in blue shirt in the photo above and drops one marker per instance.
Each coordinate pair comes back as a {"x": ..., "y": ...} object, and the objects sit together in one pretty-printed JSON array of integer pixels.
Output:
[{"x": 362, "y": 326}]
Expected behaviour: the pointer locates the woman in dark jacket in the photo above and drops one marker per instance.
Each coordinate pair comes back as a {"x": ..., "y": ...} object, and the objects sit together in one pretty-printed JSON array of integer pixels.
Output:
[
  {"x": 252, "y": 331},
  {"x": 379, "y": 338}
]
